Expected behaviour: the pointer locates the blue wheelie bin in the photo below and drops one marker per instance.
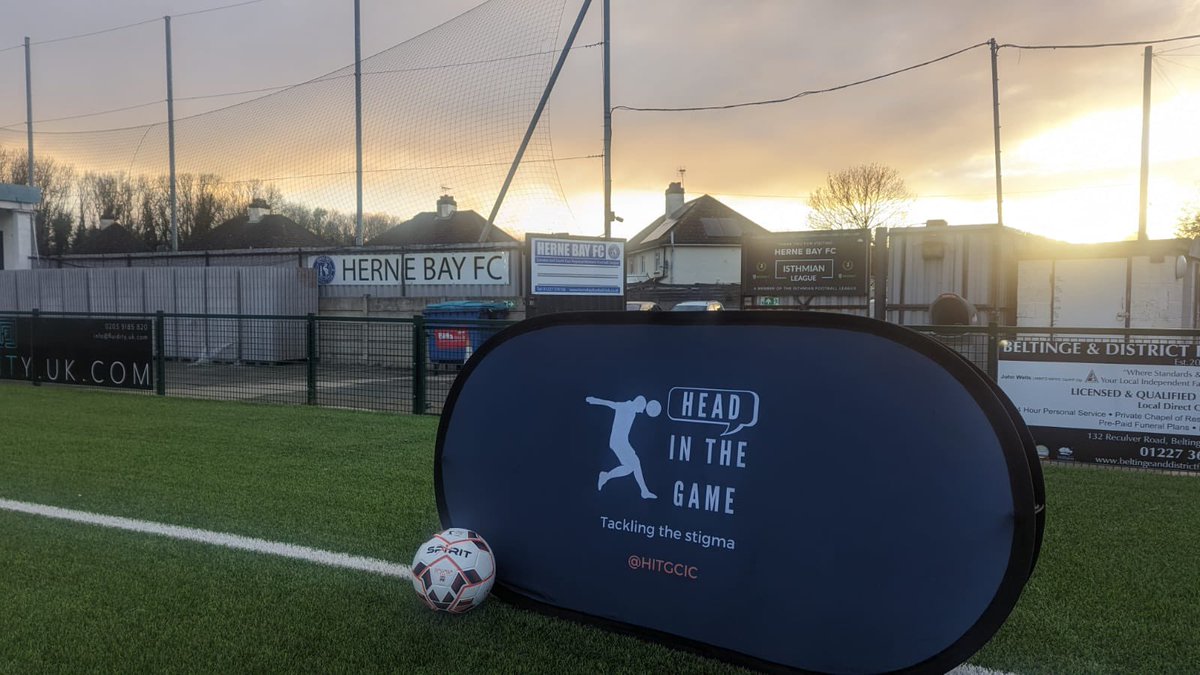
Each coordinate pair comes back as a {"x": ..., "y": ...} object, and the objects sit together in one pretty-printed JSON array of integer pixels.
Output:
[{"x": 451, "y": 330}]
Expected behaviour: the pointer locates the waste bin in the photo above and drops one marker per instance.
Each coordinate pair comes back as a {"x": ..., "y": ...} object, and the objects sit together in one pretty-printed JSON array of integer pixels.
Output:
[{"x": 452, "y": 337}]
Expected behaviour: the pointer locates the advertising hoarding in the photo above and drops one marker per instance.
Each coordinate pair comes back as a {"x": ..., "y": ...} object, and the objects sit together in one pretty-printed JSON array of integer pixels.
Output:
[
  {"x": 830, "y": 262},
  {"x": 454, "y": 268},
  {"x": 576, "y": 266},
  {"x": 92, "y": 352},
  {"x": 1117, "y": 403},
  {"x": 709, "y": 476}
]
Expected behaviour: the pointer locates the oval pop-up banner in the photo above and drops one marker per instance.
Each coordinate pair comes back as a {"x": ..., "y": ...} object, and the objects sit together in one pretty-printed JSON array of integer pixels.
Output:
[{"x": 803, "y": 491}]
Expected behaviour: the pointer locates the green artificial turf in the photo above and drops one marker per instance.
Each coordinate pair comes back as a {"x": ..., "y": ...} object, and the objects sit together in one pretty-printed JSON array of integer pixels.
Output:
[{"x": 1117, "y": 588}]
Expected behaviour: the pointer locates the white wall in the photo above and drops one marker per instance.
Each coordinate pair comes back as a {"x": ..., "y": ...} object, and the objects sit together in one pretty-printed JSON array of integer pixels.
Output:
[
  {"x": 1090, "y": 293},
  {"x": 687, "y": 265},
  {"x": 706, "y": 265},
  {"x": 16, "y": 233}
]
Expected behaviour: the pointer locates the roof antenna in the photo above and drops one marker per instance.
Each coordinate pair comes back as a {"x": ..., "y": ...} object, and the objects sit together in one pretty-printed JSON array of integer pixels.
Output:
[
  {"x": 681, "y": 171},
  {"x": 446, "y": 190}
]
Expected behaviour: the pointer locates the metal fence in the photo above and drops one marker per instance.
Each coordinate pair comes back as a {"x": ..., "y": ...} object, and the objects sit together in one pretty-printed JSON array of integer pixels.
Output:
[
  {"x": 409, "y": 365},
  {"x": 394, "y": 365}
]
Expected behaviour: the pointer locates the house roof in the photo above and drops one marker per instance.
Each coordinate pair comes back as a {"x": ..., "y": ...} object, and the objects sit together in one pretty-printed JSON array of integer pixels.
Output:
[
  {"x": 704, "y": 220},
  {"x": 462, "y": 227},
  {"x": 112, "y": 239},
  {"x": 20, "y": 194},
  {"x": 272, "y": 231}
]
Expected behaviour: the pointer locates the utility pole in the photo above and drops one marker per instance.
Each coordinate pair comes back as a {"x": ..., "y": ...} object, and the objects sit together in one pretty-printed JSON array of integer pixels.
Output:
[
  {"x": 29, "y": 112},
  {"x": 1145, "y": 182},
  {"x": 171, "y": 139},
  {"x": 996, "y": 133},
  {"x": 358, "y": 171},
  {"x": 537, "y": 115},
  {"x": 608, "y": 212}
]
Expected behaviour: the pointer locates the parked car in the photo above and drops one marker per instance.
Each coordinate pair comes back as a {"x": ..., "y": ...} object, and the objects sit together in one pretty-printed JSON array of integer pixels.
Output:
[
  {"x": 699, "y": 306},
  {"x": 642, "y": 306}
]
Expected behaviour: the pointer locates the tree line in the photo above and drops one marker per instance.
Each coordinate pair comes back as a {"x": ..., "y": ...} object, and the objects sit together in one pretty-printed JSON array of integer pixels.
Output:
[{"x": 73, "y": 203}]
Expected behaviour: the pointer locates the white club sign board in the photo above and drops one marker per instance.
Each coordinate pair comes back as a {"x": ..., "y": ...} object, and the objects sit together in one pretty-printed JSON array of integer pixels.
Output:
[
  {"x": 1105, "y": 402},
  {"x": 450, "y": 268}
]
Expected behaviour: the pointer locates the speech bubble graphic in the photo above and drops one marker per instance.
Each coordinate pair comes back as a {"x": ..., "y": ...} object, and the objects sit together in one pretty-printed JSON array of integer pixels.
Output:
[{"x": 736, "y": 409}]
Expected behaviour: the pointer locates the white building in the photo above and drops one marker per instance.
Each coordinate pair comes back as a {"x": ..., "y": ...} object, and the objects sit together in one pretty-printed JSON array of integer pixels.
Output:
[
  {"x": 693, "y": 242},
  {"x": 18, "y": 206}
]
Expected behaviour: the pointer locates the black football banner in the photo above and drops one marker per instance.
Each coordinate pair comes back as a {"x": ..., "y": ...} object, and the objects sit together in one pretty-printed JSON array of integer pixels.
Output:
[
  {"x": 92, "y": 352},
  {"x": 787, "y": 490}
]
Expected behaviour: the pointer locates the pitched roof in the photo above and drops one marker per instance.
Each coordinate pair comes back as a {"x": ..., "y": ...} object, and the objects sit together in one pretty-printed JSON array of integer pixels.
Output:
[
  {"x": 112, "y": 239},
  {"x": 704, "y": 220},
  {"x": 462, "y": 227},
  {"x": 272, "y": 231}
]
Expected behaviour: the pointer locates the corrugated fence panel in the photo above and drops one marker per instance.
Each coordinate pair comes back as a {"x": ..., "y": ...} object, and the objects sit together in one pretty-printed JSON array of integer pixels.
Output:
[
  {"x": 191, "y": 337},
  {"x": 74, "y": 288},
  {"x": 222, "y": 286},
  {"x": 102, "y": 290},
  {"x": 160, "y": 290},
  {"x": 49, "y": 291},
  {"x": 8, "y": 291},
  {"x": 131, "y": 290}
]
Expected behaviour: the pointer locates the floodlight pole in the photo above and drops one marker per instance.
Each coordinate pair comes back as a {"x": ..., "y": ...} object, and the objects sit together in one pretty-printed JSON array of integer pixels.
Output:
[
  {"x": 28, "y": 112},
  {"x": 998, "y": 233},
  {"x": 996, "y": 133},
  {"x": 537, "y": 115},
  {"x": 358, "y": 171},
  {"x": 171, "y": 139},
  {"x": 608, "y": 212},
  {"x": 1145, "y": 177}
]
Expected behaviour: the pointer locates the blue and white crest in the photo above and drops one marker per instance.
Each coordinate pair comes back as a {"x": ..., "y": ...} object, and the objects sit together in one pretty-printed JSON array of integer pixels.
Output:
[
  {"x": 326, "y": 269},
  {"x": 614, "y": 252}
]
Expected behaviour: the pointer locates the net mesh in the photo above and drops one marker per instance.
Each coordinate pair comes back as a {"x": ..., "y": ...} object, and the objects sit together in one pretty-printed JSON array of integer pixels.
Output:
[{"x": 442, "y": 112}]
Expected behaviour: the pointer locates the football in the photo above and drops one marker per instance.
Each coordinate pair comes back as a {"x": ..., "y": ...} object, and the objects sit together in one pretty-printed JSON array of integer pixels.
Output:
[{"x": 453, "y": 572}]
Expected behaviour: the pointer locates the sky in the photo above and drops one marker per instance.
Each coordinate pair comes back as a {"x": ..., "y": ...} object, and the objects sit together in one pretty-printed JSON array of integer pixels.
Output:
[{"x": 1070, "y": 119}]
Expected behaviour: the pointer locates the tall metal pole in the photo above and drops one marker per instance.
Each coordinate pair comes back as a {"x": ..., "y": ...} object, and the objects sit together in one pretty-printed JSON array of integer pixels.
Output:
[
  {"x": 1145, "y": 183},
  {"x": 996, "y": 134},
  {"x": 171, "y": 138},
  {"x": 608, "y": 212},
  {"x": 28, "y": 113},
  {"x": 358, "y": 172},
  {"x": 537, "y": 115}
]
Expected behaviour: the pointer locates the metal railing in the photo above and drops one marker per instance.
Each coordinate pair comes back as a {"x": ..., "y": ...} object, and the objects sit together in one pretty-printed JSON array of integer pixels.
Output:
[
  {"x": 403, "y": 365},
  {"x": 368, "y": 363}
]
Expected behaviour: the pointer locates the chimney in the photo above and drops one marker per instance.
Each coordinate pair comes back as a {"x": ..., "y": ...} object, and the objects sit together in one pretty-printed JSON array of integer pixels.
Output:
[
  {"x": 258, "y": 209},
  {"x": 446, "y": 207},
  {"x": 936, "y": 223},
  {"x": 107, "y": 219},
  {"x": 674, "y": 198}
]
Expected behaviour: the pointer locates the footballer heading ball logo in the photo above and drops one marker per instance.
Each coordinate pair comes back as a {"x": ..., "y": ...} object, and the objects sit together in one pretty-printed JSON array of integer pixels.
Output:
[{"x": 326, "y": 269}]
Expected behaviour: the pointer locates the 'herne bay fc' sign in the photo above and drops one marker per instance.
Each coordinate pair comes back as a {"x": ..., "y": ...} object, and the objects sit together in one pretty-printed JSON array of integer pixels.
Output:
[{"x": 806, "y": 263}]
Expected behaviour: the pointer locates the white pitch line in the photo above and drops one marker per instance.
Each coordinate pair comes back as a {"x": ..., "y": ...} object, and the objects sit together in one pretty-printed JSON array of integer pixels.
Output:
[
  {"x": 241, "y": 543},
  {"x": 233, "y": 541}
]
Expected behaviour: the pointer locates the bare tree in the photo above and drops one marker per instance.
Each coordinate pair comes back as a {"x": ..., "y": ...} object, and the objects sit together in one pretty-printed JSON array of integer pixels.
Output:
[
  {"x": 56, "y": 180},
  {"x": 863, "y": 196}
]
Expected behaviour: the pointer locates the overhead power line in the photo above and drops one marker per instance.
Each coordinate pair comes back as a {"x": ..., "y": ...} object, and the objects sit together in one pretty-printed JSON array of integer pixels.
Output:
[
  {"x": 802, "y": 94},
  {"x": 1009, "y": 45},
  {"x": 1099, "y": 45}
]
